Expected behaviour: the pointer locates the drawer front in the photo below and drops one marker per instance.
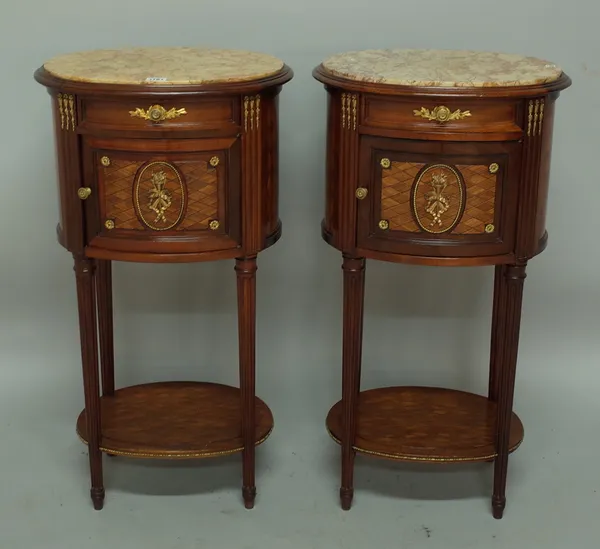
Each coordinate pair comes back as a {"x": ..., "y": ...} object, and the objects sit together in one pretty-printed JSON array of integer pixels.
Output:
[
  {"x": 437, "y": 199},
  {"x": 442, "y": 117},
  {"x": 161, "y": 114},
  {"x": 165, "y": 202}
]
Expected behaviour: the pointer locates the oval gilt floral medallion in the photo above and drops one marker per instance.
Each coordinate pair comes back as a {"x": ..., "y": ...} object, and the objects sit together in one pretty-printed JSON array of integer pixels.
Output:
[
  {"x": 159, "y": 196},
  {"x": 437, "y": 198}
]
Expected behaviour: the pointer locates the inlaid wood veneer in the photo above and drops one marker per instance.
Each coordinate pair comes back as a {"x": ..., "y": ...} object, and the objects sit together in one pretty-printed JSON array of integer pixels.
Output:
[
  {"x": 436, "y": 158},
  {"x": 166, "y": 155}
]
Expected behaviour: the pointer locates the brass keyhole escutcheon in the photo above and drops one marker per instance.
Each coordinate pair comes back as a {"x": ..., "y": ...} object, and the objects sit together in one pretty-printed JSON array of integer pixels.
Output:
[
  {"x": 385, "y": 163},
  {"x": 84, "y": 192},
  {"x": 493, "y": 168},
  {"x": 214, "y": 225},
  {"x": 361, "y": 193},
  {"x": 109, "y": 224},
  {"x": 105, "y": 161},
  {"x": 384, "y": 224},
  {"x": 489, "y": 228},
  {"x": 214, "y": 161}
]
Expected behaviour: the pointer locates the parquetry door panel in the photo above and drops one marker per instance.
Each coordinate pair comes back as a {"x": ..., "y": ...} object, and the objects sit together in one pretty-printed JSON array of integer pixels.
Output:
[
  {"x": 159, "y": 195},
  {"x": 156, "y": 199},
  {"x": 457, "y": 196},
  {"x": 419, "y": 197}
]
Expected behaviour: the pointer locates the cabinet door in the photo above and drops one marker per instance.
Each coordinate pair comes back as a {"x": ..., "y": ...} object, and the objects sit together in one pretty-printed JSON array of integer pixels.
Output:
[
  {"x": 149, "y": 199},
  {"x": 441, "y": 199}
]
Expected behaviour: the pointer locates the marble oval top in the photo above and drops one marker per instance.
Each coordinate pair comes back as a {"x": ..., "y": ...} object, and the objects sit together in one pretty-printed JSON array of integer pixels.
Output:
[
  {"x": 442, "y": 68},
  {"x": 166, "y": 66}
]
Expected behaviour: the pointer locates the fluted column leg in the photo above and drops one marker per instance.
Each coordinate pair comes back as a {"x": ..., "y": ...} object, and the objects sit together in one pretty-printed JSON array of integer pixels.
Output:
[
  {"x": 105, "y": 325},
  {"x": 354, "y": 285},
  {"x": 245, "y": 269},
  {"x": 497, "y": 329},
  {"x": 511, "y": 290},
  {"x": 86, "y": 299}
]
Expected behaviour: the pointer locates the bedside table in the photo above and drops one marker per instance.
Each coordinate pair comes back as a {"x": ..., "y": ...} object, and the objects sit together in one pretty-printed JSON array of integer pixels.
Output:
[
  {"x": 436, "y": 158},
  {"x": 166, "y": 155}
]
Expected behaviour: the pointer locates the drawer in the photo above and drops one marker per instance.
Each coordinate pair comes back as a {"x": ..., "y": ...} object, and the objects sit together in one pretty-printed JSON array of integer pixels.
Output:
[
  {"x": 437, "y": 199},
  {"x": 158, "y": 115},
  {"x": 443, "y": 116},
  {"x": 146, "y": 198}
]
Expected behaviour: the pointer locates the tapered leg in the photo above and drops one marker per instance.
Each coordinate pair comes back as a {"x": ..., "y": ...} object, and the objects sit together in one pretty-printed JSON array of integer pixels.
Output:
[
  {"x": 511, "y": 290},
  {"x": 354, "y": 287},
  {"x": 245, "y": 269},
  {"x": 86, "y": 299},
  {"x": 497, "y": 328},
  {"x": 496, "y": 340},
  {"x": 105, "y": 325}
]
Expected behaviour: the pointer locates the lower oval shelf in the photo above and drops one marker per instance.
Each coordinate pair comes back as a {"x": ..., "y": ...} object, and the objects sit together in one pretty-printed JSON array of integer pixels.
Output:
[
  {"x": 175, "y": 420},
  {"x": 425, "y": 424}
]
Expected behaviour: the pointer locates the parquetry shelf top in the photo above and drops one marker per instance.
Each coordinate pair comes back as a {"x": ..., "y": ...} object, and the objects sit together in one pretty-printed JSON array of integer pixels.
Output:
[
  {"x": 443, "y": 68},
  {"x": 163, "y": 66}
]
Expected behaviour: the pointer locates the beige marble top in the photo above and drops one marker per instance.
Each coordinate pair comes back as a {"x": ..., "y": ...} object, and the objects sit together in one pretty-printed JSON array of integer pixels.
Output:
[
  {"x": 163, "y": 66},
  {"x": 443, "y": 68}
]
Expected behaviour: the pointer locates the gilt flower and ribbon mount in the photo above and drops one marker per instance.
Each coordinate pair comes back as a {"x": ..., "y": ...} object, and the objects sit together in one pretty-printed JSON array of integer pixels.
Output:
[{"x": 438, "y": 198}]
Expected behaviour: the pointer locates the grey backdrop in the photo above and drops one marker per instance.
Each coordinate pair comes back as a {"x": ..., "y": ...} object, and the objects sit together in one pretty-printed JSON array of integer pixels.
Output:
[{"x": 423, "y": 325}]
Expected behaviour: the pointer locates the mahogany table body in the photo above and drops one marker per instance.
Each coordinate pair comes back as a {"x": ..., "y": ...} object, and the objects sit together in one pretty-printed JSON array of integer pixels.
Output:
[
  {"x": 429, "y": 172},
  {"x": 166, "y": 155}
]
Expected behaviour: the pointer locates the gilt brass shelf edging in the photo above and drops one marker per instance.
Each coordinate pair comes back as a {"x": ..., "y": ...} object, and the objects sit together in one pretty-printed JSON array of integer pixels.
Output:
[
  {"x": 175, "y": 456},
  {"x": 400, "y": 457}
]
